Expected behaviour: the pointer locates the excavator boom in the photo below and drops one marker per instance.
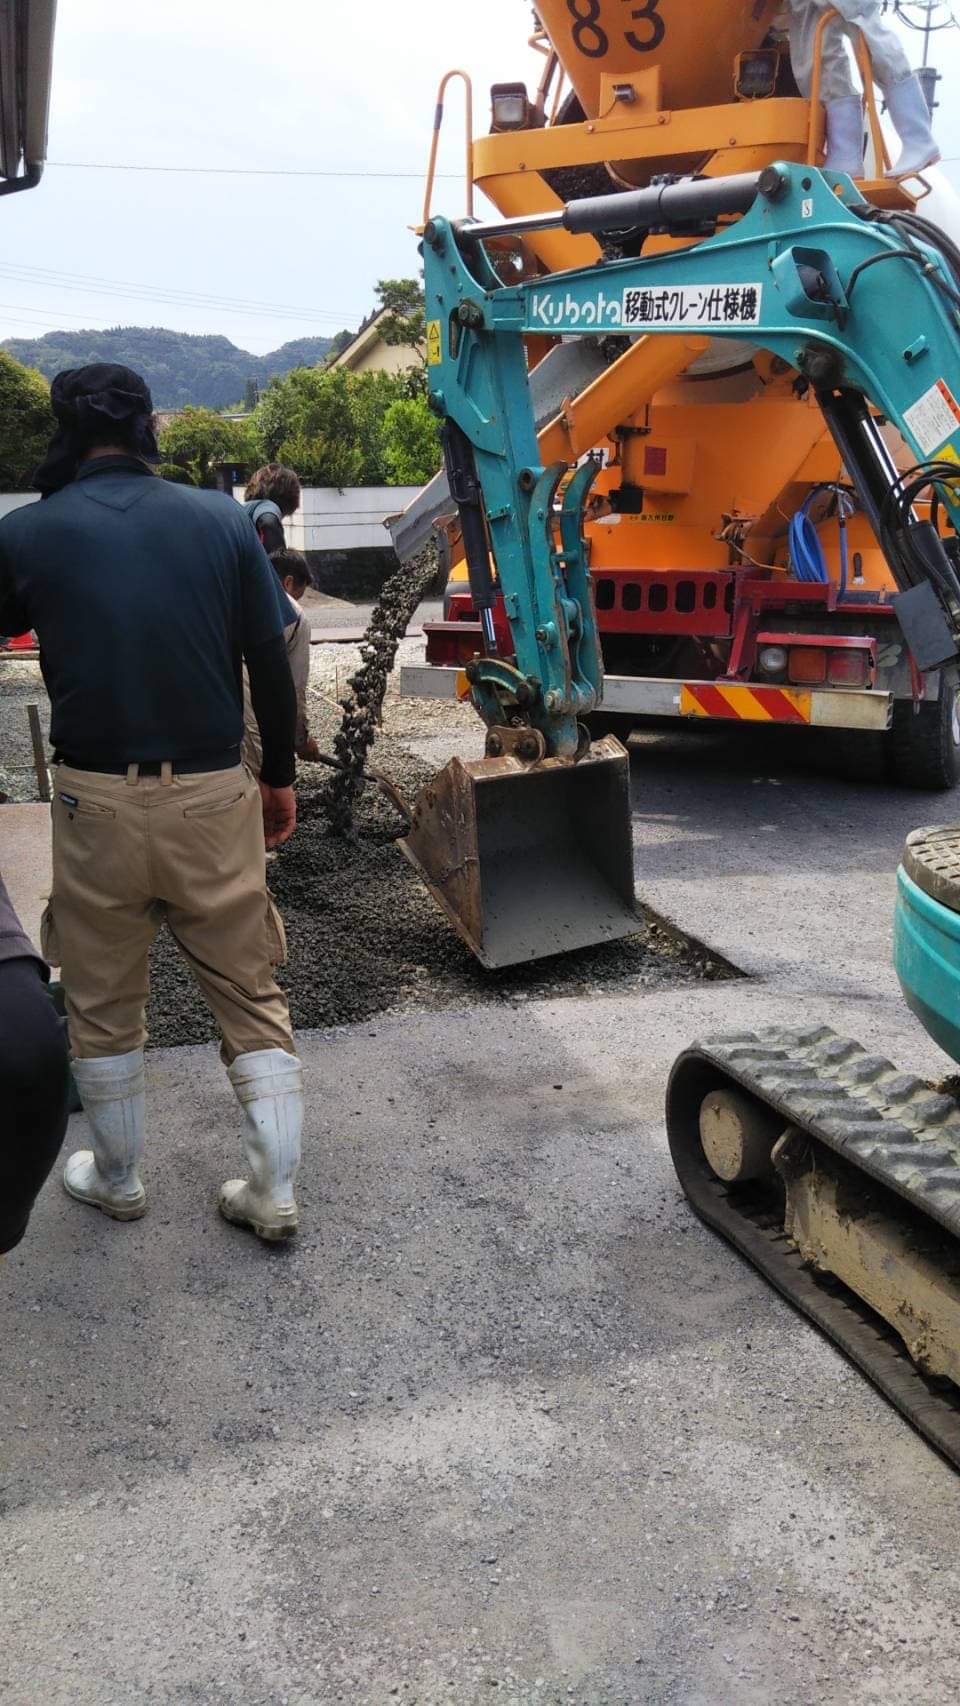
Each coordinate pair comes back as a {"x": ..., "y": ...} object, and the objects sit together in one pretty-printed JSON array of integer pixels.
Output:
[
  {"x": 799, "y": 275},
  {"x": 793, "y": 267}
]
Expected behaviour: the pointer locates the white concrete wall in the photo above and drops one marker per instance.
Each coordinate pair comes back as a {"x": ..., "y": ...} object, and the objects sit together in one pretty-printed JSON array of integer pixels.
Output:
[
  {"x": 327, "y": 520},
  {"x": 9, "y": 501},
  {"x": 352, "y": 519}
]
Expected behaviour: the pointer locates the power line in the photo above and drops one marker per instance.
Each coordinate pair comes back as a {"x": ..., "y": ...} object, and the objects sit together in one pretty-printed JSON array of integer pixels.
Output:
[
  {"x": 35, "y": 325},
  {"x": 181, "y": 299},
  {"x": 15, "y": 313},
  {"x": 17, "y": 310},
  {"x": 238, "y": 171},
  {"x": 169, "y": 290}
]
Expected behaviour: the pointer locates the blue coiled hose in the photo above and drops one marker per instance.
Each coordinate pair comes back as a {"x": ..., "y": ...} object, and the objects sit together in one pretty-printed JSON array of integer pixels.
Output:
[{"x": 806, "y": 552}]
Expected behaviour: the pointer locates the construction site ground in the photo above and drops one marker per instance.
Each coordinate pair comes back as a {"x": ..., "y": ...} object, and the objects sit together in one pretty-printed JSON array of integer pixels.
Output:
[{"x": 506, "y": 1423}]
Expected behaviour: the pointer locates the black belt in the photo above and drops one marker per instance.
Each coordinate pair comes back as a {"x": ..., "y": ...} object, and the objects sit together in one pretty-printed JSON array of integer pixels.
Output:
[{"x": 152, "y": 766}]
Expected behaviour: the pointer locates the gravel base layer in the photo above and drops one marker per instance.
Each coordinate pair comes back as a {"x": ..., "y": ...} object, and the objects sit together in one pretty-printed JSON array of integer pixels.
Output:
[
  {"x": 365, "y": 937},
  {"x": 363, "y": 934}
]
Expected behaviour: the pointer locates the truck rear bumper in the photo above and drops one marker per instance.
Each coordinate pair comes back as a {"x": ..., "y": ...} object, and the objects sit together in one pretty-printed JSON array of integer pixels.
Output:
[{"x": 645, "y": 696}]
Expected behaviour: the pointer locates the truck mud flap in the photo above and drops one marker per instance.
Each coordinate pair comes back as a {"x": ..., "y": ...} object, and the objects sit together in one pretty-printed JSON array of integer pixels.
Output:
[{"x": 529, "y": 860}]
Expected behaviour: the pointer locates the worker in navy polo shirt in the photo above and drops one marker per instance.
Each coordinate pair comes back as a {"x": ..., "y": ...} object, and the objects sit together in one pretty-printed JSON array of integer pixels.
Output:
[{"x": 147, "y": 599}]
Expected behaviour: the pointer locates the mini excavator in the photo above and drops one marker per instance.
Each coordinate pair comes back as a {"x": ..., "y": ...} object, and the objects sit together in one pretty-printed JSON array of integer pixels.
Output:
[{"x": 837, "y": 1175}]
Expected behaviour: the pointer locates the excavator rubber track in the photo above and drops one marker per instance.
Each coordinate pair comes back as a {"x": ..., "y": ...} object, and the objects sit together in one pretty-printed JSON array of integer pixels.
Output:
[{"x": 895, "y": 1131}]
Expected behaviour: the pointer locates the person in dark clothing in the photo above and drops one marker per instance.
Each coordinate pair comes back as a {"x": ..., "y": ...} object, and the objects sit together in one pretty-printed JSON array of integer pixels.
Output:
[
  {"x": 34, "y": 1077},
  {"x": 272, "y": 493},
  {"x": 147, "y": 599}
]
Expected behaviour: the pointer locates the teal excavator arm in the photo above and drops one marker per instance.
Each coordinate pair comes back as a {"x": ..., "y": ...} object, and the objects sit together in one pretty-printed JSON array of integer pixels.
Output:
[{"x": 799, "y": 274}]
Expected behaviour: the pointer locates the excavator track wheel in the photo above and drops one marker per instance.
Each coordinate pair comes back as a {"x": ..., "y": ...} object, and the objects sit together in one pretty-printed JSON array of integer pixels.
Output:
[{"x": 737, "y": 1135}]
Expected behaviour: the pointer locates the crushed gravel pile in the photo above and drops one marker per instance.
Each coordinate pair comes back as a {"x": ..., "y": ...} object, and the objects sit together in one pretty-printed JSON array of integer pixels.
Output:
[{"x": 364, "y": 936}]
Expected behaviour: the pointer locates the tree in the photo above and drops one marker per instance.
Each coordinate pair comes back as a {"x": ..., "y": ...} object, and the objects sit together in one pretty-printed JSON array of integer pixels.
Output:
[
  {"x": 337, "y": 345},
  {"x": 328, "y": 424},
  {"x": 307, "y": 420},
  {"x": 26, "y": 423},
  {"x": 373, "y": 394},
  {"x": 404, "y": 321},
  {"x": 411, "y": 442},
  {"x": 198, "y": 440}
]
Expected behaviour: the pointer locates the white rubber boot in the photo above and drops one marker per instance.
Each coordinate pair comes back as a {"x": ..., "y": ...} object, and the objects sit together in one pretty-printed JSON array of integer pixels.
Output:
[
  {"x": 269, "y": 1087},
  {"x": 112, "y": 1093},
  {"x": 910, "y": 116},
  {"x": 844, "y": 138}
]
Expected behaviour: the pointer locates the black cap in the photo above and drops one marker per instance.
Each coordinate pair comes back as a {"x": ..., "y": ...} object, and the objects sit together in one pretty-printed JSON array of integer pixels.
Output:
[{"x": 85, "y": 401}]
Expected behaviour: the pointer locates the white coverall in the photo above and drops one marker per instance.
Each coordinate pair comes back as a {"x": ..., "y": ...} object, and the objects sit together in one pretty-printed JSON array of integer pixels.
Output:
[
  {"x": 890, "y": 63},
  {"x": 903, "y": 92}
]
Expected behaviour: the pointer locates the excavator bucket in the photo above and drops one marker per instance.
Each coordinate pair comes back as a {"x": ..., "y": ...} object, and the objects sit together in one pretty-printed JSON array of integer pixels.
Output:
[{"x": 529, "y": 860}]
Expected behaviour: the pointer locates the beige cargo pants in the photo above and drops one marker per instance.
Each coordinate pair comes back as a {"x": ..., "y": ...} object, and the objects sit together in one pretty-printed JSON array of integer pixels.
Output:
[{"x": 128, "y": 852}]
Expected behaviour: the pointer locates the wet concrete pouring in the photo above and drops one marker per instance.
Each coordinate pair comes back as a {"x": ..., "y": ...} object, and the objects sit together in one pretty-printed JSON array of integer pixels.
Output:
[{"x": 364, "y": 936}]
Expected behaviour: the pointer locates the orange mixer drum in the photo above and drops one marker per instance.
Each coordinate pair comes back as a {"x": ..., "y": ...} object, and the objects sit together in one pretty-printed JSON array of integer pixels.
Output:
[{"x": 694, "y": 42}]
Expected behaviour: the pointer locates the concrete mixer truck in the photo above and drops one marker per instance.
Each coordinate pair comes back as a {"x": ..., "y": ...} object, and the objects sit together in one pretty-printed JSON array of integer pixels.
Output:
[{"x": 736, "y": 574}]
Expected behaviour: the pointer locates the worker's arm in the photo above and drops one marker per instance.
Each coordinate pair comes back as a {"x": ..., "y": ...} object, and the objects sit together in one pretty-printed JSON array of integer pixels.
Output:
[
  {"x": 270, "y": 533},
  {"x": 264, "y": 613},
  {"x": 274, "y": 701},
  {"x": 275, "y": 708},
  {"x": 14, "y": 615}
]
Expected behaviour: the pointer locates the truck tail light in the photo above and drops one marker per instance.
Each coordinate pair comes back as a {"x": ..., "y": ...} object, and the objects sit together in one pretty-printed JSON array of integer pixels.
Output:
[
  {"x": 849, "y": 669},
  {"x": 807, "y": 664}
]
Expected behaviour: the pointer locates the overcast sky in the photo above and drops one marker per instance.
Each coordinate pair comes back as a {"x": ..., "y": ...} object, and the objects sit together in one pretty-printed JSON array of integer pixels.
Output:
[{"x": 308, "y": 85}]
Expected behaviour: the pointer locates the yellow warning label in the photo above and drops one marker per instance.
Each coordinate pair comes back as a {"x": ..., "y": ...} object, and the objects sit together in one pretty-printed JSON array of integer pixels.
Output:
[
  {"x": 653, "y": 515},
  {"x": 434, "y": 345},
  {"x": 948, "y": 454}
]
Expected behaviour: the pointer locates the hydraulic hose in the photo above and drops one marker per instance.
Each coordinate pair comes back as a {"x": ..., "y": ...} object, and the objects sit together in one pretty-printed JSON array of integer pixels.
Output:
[{"x": 806, "y": 551}]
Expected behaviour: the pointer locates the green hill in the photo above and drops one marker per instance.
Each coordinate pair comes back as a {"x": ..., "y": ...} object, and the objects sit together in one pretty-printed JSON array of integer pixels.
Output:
[{"x": 179, "y": 367}]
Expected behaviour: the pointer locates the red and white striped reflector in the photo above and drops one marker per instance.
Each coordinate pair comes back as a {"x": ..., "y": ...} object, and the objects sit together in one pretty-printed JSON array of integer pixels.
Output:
[{"x": 736, "y": 701}]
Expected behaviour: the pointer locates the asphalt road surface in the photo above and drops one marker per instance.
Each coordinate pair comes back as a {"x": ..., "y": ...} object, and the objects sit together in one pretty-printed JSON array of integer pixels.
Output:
[{"x": 507, "y": 1423}]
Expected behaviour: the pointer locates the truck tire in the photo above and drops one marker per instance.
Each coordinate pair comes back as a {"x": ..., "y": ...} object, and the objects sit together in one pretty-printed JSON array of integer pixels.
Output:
[{"x": 923, "y": 745}]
